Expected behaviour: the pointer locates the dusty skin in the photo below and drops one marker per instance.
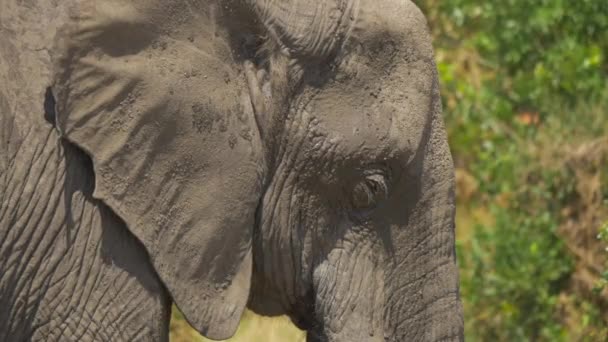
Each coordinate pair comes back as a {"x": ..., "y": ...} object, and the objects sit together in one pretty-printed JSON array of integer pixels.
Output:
[{"x": 285, "y": 156}]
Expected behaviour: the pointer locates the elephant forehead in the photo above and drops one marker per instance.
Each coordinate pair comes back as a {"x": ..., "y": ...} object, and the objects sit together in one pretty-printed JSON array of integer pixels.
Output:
[{"x": 378, "y": 111}]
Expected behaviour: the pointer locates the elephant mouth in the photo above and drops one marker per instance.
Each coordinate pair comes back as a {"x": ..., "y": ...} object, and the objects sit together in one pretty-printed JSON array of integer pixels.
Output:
[
  {"x": 314, "y": 336},
  {"x": 305, "y": 319}
]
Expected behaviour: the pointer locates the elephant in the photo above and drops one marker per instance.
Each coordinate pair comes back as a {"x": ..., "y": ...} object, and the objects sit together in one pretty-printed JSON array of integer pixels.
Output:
[{"x": 286, "y": 156}]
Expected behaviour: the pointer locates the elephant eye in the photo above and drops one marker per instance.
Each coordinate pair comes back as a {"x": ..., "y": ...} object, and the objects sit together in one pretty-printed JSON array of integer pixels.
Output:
[{"x": 369, "y": 192}]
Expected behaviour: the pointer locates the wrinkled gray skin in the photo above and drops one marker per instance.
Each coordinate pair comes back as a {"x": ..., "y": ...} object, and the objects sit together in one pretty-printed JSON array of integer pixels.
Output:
[{"x": 284, "y": 155}]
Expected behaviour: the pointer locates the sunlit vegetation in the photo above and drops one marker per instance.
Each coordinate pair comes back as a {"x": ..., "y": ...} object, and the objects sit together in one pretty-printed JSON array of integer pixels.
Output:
[{"x": 525, "y": 94}]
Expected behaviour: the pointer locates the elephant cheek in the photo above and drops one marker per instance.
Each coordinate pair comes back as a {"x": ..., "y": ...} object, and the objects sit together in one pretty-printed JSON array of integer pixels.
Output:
[{"x": 349, "y": 297}]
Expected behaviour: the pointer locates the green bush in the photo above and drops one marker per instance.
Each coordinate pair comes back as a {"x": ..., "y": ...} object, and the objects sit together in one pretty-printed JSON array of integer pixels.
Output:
[
  {"x": 536, "y": 49},
  {"x": 603, "y": 236},
  {"x": 521, "y": 80},
  {"x": 512, "y": 284}
]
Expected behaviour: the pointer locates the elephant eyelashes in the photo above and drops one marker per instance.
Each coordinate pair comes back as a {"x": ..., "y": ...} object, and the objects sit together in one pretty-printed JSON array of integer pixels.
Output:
[{"x": 369, "y": 192}]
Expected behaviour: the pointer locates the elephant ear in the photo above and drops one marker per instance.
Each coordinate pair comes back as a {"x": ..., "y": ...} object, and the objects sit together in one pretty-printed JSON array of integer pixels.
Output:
[{"x": 150, "y": 89}]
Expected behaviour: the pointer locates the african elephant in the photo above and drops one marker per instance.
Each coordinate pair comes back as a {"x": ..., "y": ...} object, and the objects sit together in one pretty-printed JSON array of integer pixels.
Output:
[{"x": 288, "y": 156}]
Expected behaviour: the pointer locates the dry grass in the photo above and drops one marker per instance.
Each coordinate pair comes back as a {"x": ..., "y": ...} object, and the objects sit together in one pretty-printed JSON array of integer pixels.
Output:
[{"x": 253, "y": 328}]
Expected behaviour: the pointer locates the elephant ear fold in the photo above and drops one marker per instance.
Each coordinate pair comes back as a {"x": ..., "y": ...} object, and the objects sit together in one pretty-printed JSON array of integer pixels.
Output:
[{"x": 149, "y": 89}]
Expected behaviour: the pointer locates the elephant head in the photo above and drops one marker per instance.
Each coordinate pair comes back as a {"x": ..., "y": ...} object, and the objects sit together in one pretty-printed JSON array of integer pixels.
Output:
[{"x": 287, "y": 155}]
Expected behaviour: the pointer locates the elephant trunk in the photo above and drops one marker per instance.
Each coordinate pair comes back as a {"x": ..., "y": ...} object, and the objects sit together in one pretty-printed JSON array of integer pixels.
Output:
[
  {"x": 349, "y": 296},
  {"x": 423, "y": 301},
  {"x": 307, "y": 29}
]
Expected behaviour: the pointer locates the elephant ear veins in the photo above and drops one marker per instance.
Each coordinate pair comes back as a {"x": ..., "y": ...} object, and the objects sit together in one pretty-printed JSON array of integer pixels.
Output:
[{"x": 149, "y": 89}]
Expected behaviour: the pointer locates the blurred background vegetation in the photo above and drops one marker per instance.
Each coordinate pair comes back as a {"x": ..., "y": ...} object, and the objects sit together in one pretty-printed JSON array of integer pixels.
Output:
[
  {"x": 525, "y": 95},
  {"x": 525, "y": 92}
]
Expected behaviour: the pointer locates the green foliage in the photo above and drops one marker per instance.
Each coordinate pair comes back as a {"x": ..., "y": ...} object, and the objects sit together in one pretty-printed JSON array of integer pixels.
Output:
[
  {"x": 511, "y": 283},
  {"x": 514, "y": 269},
  {"x": 603, "y": 236},
  {"x": 535, "y": 48},
  {"x": 521, "y": 79}
]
